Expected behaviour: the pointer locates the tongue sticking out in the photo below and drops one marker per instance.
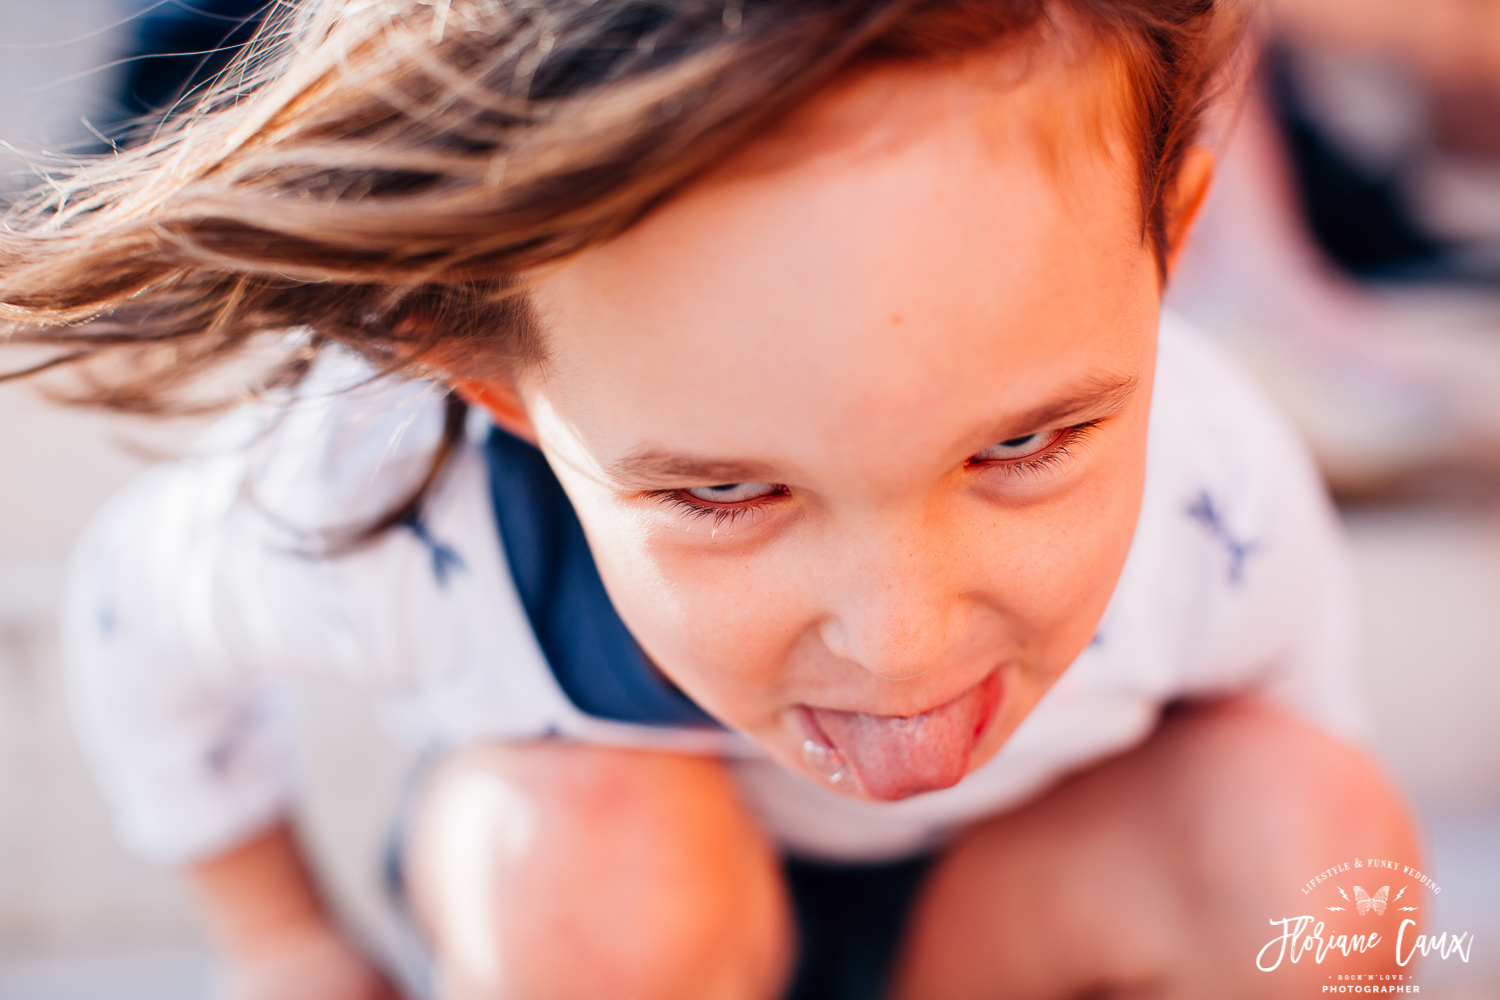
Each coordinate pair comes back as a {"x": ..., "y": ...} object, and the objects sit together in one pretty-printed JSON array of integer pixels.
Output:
[{"x": 893, "y": 756}]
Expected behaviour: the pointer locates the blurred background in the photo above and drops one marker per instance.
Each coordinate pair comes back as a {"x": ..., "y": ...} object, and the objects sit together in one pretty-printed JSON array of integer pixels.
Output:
[{"x": 1350, "y": 255}]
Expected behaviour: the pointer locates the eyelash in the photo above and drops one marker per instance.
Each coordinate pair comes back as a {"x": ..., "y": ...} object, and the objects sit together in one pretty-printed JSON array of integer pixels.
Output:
[
  {"x": 730, "y": 514},
  {"x": 1059, "y": 451}
]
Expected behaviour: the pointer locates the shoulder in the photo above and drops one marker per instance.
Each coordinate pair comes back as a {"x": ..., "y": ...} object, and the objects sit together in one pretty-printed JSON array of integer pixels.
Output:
[
  {"x": 307, "y": 468},
  {"x": 1223, "y": 462},
  {"x": 338, "y": 455},
  {"x": 1237, "y": 543},
  {"x": 1210, "y": 419},
  {"x": 235, "y": 545}
]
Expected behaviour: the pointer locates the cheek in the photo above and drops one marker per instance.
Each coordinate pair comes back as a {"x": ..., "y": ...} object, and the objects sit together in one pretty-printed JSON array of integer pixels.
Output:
[
  {"x": 742, "y": 619},
  {"x": 1064, "y": 560}
]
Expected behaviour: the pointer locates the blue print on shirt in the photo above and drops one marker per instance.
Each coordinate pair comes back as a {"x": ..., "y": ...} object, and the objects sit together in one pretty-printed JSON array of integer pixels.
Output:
[
  {"x": 233, "y": 739},
  {"x": 1206, "y": 512},
  {"x": 104, "y": 619},
  {"x": 444, "y": 559}
]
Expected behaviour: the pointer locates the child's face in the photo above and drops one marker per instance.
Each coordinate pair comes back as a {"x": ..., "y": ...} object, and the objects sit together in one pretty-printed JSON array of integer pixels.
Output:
[{"x": 857, "y": 426}]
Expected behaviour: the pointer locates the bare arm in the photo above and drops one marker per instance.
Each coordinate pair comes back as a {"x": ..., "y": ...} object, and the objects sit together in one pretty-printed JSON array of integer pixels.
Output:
[{"x": 265, "y": 912}]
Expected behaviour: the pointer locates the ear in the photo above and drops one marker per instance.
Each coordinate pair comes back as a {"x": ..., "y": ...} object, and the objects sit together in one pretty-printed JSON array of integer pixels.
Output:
[
  {"x": 500, "y": 400},
  {"x": 1186, "y": 198}
]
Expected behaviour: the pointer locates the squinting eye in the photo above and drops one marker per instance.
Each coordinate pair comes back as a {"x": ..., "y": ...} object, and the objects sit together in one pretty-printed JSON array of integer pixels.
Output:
[
  {"x": 1021, "y": 447},
  {"x": 733, "y": 492}
]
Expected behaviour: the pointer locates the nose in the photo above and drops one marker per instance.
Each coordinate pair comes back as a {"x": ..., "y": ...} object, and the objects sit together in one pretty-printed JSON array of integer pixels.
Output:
[{"x": 898, "y": 608}]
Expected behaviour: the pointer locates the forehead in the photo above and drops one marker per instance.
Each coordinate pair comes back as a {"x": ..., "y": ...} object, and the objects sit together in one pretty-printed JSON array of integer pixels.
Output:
[
  {"x": 918, "y": 240},
  {"x": 1057, "y": 92}
]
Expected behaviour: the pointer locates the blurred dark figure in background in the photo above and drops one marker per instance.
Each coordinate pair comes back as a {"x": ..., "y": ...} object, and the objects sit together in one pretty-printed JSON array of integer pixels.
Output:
[
  {"x": 1399, "y": 173},
  {"x": 179, "y": 46}
]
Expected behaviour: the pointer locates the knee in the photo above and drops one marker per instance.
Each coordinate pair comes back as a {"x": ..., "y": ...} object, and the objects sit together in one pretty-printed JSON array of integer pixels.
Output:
[
  {"x": 1263, "y": 802},
  {"x": 1267, "y": 800},
  {"x": 558, "y": 871},
  {"x": 1256, "y": 773}
]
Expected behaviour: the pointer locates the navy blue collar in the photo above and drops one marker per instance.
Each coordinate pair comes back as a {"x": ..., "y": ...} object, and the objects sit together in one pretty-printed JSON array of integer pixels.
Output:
[{"x": 592, "y": 654}]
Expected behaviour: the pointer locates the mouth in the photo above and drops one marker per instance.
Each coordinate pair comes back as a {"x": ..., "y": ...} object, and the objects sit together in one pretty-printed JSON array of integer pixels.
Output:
[{"x": 891, "y": 757}]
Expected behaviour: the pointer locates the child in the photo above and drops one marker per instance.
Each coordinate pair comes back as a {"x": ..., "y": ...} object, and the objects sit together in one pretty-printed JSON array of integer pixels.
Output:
[{"x": 796, "y": 529}]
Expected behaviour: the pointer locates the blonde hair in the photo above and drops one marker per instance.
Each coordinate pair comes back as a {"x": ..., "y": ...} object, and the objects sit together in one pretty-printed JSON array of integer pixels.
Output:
[{"x": 382, "y": 173}]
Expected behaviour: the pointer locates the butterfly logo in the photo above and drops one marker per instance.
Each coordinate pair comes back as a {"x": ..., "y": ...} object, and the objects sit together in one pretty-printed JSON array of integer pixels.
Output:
[{"x": 1365, "y": 903}]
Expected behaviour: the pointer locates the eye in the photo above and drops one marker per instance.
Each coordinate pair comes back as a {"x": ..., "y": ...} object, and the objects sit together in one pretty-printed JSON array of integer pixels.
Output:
[
  {"x": 1019, "y": 447},
  {"x": 725, "y": 505},
  {"x": 733, "y": 492}
]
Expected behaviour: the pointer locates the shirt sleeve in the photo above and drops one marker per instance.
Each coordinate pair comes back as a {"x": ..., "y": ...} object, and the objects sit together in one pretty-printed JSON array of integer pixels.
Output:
[
  {"x": 188, "y": 745},
  {"x": 204, "y": 591}
]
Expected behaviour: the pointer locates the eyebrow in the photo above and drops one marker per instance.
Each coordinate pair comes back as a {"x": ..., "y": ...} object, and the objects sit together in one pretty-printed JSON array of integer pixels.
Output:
[
  {"x": 1095, "y": 398},
  {"x": 653, "y": 466}
]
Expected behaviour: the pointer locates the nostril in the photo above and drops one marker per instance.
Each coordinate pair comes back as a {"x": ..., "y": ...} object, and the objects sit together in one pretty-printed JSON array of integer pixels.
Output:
[
  {"x": 888, "y": 656},
  {"x": 895, "y": 647}
]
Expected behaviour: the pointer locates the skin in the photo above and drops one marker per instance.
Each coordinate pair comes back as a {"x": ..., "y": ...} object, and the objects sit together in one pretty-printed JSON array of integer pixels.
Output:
[
  {"x": 275, "y": 933},
  {"x": 921, "y": 265},
  {"x": 908, "y": 245}
]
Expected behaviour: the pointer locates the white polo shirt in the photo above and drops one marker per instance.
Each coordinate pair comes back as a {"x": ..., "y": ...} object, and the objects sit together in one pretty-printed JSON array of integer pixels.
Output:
[{"x": 201, "y": 592}]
